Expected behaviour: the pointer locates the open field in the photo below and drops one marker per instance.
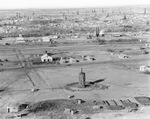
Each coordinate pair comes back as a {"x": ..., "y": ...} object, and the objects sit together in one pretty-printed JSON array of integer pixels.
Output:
[{"x": 122, "y": 76}]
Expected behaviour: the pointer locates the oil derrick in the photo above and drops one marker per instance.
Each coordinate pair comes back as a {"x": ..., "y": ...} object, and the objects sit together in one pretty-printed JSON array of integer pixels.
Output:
[
  {"x": 97, "y": 31},
  {"x": 124, "y": 17},
  {"x": 144, "y": 10},
  {"x": 33, "y": 13},
  {"x": 77, "y": 12},
  {"x": 81, "y": 79}
]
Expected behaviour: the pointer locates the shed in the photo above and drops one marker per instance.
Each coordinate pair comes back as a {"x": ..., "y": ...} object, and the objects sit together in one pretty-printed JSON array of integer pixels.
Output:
[
  {"x": 72, "y": 60},
  {"x": 145, "y": 68},
  {"x": 65, "y": 60},
  {"x": 67, "y": 110},
  {"x": 80, "y": 101},
  {"x": 13, "y": 107},
  {"x": 102, "y": 33},
  {"x": 18, "y": 115},
  {"x": 73, "y": 111},
  {"x": 54, "y": 36},
  {"x": 70, "y": 111},
  {"x": 122, "y": 56},
  {"x": 20, "y": 39},
  {"x": 16, "y": 107},
  {"x": 96, "y": 107}
]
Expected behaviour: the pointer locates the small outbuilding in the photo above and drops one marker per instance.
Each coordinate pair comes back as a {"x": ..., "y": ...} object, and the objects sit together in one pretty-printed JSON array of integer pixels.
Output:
[
  {"x": 70, "y": 111},
  {"x": 20, "y": 39},
  {"x": 13, "y": 107},
  {"x": 145, "y": 69},
  {"x": 45, "y": 39},
  {"x": 102, "y": 33},
  {"x": 72, "y": 60},
  {"x": 122, "y": 56},
  {"x": 80, "y": 101},
  {"x": 96, "y": 107}
]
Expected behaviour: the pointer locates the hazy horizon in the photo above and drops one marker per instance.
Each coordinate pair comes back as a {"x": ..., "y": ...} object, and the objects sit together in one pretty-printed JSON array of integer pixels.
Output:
[{"x": 64, "y": 4}]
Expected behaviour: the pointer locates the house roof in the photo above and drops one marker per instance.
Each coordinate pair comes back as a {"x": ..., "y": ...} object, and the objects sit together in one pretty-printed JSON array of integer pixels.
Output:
[{"x": 46, "y": 56}]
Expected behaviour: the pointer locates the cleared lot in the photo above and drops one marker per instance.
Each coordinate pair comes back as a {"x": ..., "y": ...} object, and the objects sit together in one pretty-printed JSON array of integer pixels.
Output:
[{"x": 122, "y": 76}]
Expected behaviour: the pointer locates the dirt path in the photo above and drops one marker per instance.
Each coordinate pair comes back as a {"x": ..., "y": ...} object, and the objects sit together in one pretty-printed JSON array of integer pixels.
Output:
[
  {"x": 33, "y": 76},
  {"x": 38, "y": 81}
]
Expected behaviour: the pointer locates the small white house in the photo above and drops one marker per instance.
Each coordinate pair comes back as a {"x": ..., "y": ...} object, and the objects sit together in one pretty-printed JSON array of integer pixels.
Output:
[
  {"x": 45, "y": 39},
  {"x": 55, "y": 37},
  {"x": 122, "y": 56},
  {"x": 20, "y": 40},
  {"x": 72, "y": 60},
  {"x": 102, "y": 33},
  {"x": 145, "y": 68},
  {"x": 46, "y": 58}
]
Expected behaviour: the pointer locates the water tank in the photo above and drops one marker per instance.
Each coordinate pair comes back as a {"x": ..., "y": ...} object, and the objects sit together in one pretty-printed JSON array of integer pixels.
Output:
[{"x": 82, "y": 79}]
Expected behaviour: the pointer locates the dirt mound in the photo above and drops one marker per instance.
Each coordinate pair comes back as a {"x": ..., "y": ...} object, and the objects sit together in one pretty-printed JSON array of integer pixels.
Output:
[{"x": 48, "y": 105}]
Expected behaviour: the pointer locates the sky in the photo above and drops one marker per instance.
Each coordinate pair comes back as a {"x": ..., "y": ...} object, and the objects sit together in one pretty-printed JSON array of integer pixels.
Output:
[{"x": 25, "y": 4}]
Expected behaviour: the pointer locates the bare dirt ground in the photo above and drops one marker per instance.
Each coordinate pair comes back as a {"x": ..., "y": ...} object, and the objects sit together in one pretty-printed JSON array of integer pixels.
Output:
[{"x": 122, "y": 76}]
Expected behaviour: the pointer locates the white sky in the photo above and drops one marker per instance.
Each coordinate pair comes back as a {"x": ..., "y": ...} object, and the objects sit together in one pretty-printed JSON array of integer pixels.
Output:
[{"x": 17, "y": 4}]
